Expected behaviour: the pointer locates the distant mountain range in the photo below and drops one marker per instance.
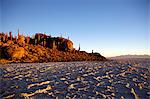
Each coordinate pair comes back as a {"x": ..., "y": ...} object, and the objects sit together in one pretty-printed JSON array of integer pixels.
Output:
[{"x": 130, "y": 56}]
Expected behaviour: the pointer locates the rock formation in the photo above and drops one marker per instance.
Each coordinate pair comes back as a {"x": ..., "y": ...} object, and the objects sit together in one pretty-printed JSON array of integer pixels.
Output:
[
  {"x": 41, "y": 48},
  {"x": 21, "y": 40}
]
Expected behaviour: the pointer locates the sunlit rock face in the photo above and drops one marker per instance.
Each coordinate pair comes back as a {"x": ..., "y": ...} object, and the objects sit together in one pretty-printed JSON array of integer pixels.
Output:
[
  {"x": 69, "y": 44},
  {"x": 41, "y": 48},
  {"x": 9, "y": 42},
  {"x": 1, "y": 43},
  {"x": 21, "y": 40},
  {"x": 15, "y": 52},
  {"x": 18, "y": 53}
]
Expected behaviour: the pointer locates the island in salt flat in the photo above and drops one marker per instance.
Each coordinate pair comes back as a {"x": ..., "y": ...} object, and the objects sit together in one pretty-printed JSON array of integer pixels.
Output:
[{"x": 41, "y": 48}]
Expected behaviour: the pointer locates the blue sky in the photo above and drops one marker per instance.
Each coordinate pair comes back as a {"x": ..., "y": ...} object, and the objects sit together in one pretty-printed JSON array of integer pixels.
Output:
[{"x": 111, "y": 27}]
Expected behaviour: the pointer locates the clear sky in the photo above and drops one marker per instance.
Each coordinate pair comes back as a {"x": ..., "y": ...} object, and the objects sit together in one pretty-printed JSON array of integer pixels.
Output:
[{"x": 111, "y": 27}]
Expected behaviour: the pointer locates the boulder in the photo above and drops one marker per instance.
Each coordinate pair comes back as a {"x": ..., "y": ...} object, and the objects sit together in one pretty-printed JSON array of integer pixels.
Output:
[
  {"x": 1, "y": 43},
  {"x": 21, "y": 40},
  {"x": 16, "y": 52},
  {"x": 69, "y": 44},
  {"x": 9, "y": 42}
]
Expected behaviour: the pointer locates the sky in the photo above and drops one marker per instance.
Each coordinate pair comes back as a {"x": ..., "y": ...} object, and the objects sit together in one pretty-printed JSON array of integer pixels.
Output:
[{"x": 110, "y": 27}]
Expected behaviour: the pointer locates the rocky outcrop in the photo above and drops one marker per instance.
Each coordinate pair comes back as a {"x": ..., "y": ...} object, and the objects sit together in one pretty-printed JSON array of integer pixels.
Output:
[
  {"x": 51, "y": 50},
  {"x": 69, "y": 45},
  {"x": 16, "y": 53},
  {"x": 21, "y": 40}
]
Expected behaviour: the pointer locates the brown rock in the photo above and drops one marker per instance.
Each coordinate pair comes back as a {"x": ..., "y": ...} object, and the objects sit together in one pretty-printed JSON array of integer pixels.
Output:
[
  {"x": 16, "y": 52},
  {"x": 1, "y": 43},
  {"x": 9, "y": 42},
  {"x": 26, "y": 49},
  {"x": 69, "y": 44},
  {"x": 21, "y": 40}
]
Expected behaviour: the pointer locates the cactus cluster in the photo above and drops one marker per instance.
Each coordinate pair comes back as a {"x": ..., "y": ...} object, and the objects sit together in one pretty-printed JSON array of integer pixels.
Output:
[{"x": 41, "y": 48}]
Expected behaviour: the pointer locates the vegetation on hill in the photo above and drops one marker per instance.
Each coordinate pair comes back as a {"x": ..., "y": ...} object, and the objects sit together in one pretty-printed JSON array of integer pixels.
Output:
[{"x": 42, "y": 48}]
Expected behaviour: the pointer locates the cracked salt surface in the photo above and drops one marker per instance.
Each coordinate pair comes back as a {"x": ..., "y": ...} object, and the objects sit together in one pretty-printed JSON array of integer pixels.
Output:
[{"x": 110, "y": 79}]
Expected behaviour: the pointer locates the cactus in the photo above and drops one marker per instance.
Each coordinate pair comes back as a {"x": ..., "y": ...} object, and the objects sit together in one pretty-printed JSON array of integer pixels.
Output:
[
  {"x": 38, "y": 38},
  {"x": 4, "y": 38},
  {"x": 27, "y": 40},
  {"x": 10, "y": 35},
  {"x": 15, "y": 39}
]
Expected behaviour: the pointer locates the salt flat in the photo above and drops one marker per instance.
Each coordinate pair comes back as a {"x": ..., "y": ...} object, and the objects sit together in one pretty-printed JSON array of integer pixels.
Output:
[{"x": 110, "y": 79}]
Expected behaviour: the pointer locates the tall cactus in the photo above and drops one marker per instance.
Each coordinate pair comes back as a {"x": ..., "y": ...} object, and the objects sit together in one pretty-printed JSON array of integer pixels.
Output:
[
  {"x": 54, "y": 45},
  {"x": 45, "y": 40},
  {"x": 4, "y": 38},
  {"x": 10, "y": 35},
  {"x": 15, "y": 39},
  {"x": 27, "y": 40},
  {"x": 35, "y": 41},
  {"x": 38, "y": 38}
]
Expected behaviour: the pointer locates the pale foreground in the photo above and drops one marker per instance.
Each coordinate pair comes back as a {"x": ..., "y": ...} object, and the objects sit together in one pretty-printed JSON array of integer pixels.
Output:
[{"x": 86, "y": 80}]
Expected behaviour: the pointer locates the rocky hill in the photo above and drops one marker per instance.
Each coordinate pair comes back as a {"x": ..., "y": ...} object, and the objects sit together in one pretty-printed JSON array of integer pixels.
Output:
[{"x": 41, "y": 48}]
